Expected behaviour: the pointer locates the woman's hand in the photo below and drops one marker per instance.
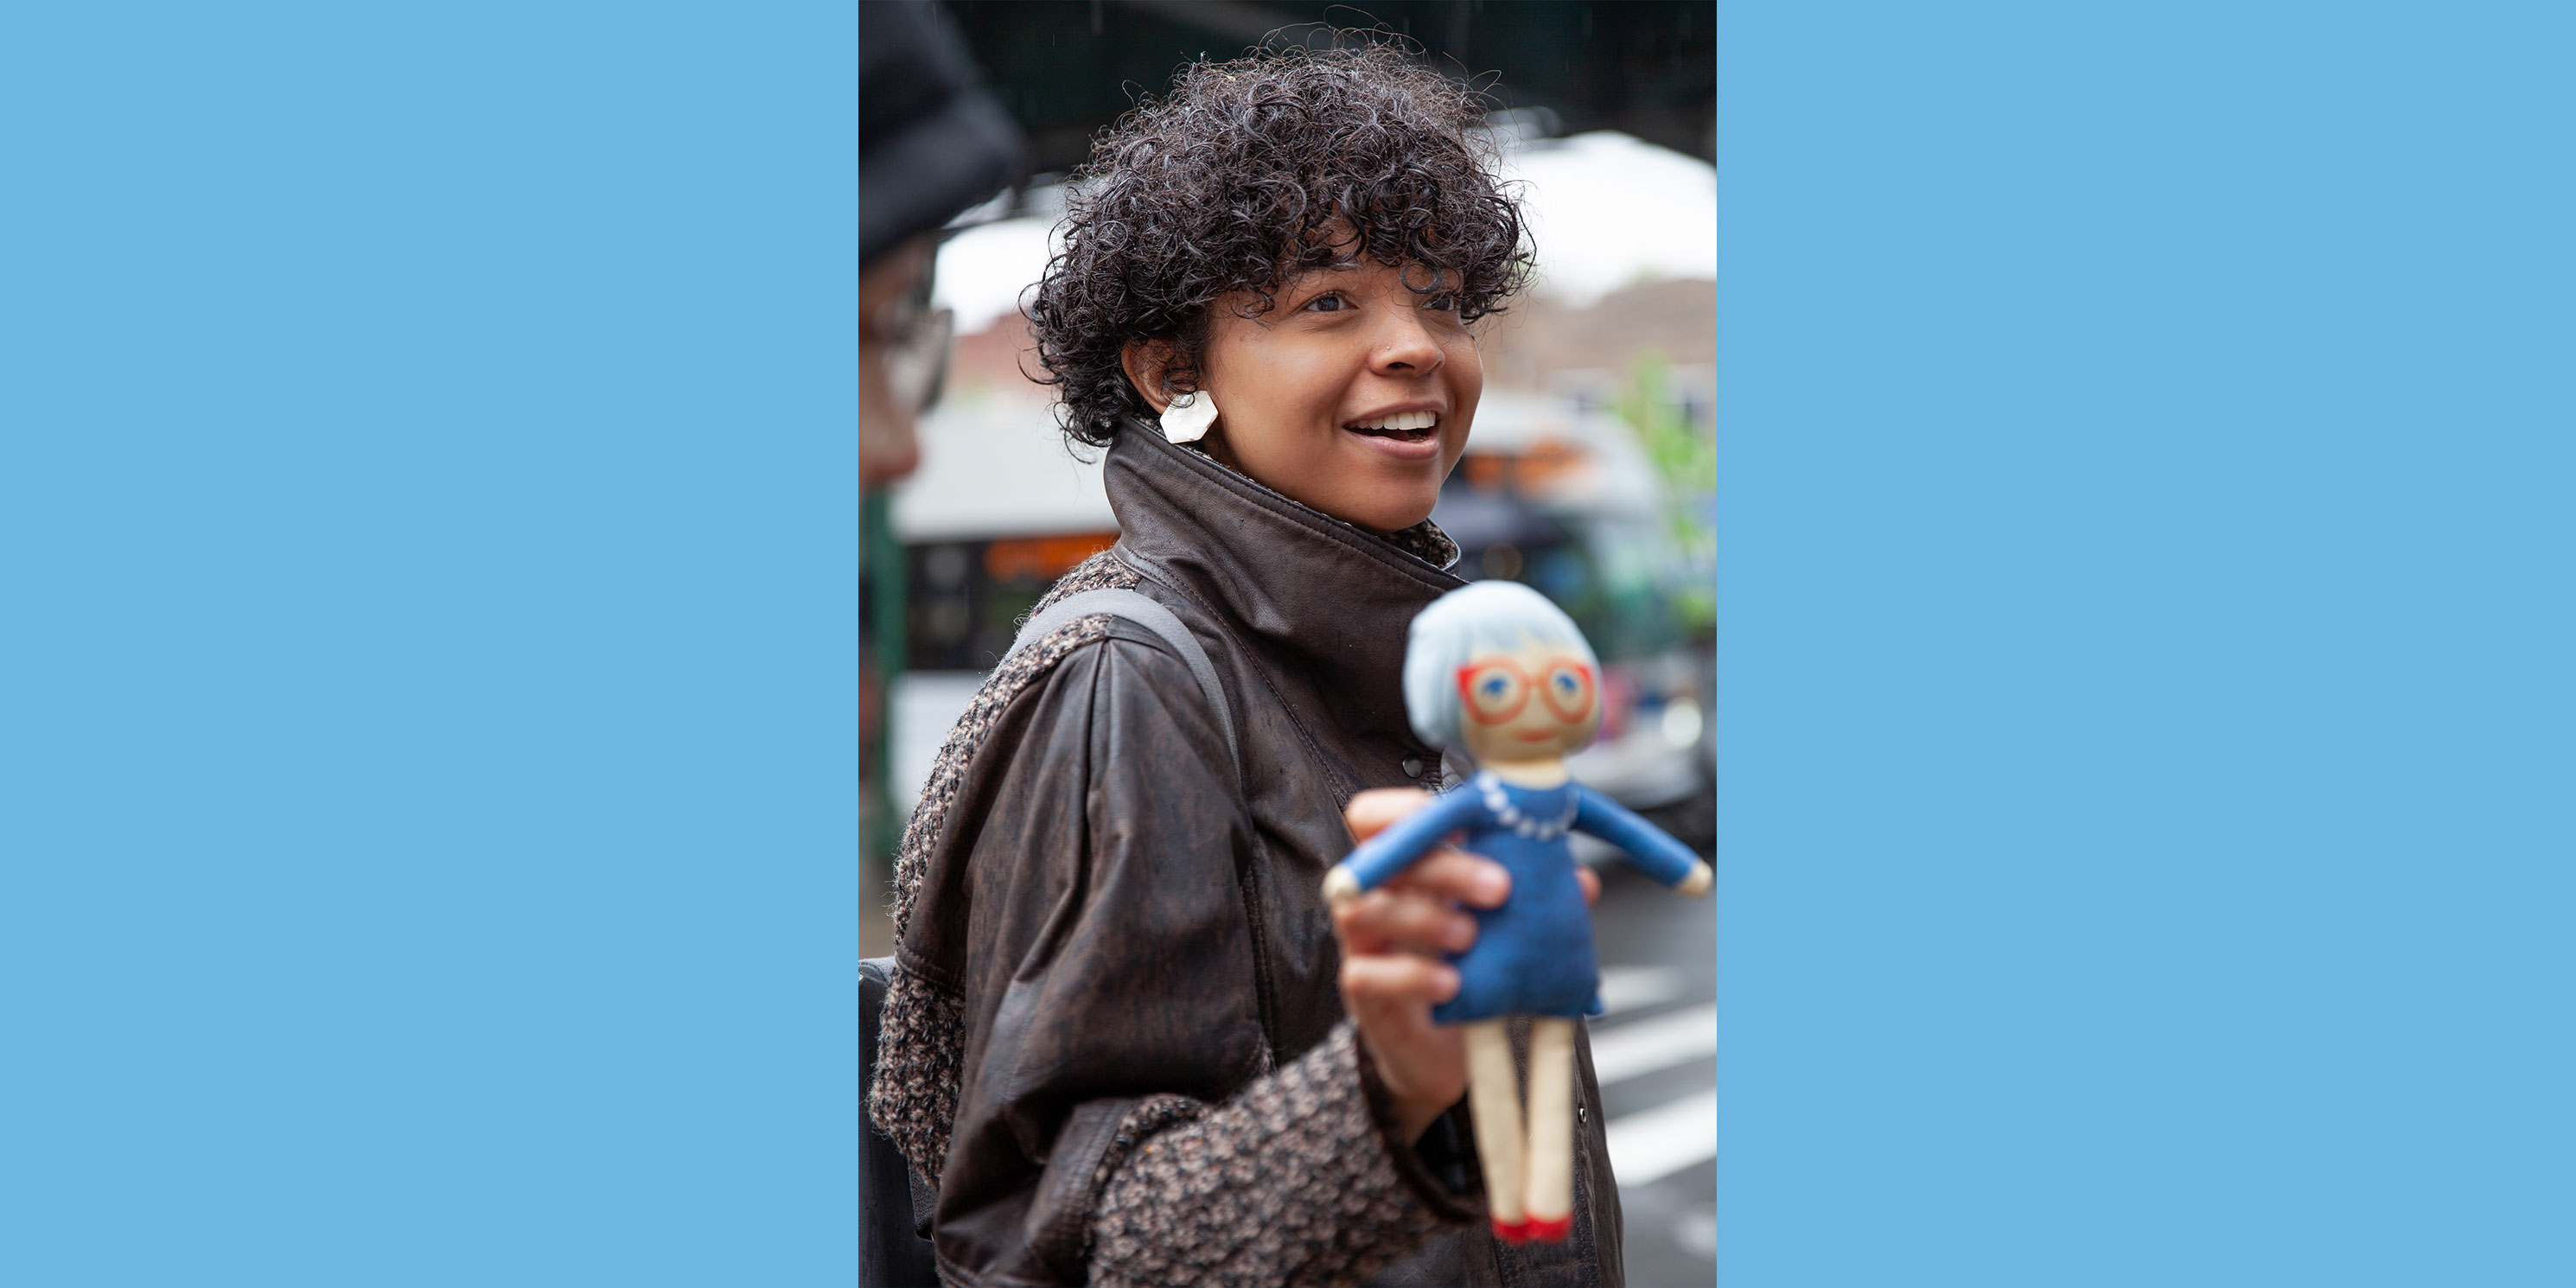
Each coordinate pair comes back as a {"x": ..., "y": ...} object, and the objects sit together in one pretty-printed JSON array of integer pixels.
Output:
[{"x": 1393, "y": 939}]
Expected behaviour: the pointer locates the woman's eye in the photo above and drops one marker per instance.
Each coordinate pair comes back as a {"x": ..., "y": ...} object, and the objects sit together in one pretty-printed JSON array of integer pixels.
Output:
[
  {"x": 1326, "y": 304},
  {"x": 1442, "y": 303}
]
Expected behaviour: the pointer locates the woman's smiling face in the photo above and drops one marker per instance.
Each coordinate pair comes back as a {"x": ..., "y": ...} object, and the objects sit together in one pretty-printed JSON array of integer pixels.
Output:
[{"x": 1353, "y": 396}]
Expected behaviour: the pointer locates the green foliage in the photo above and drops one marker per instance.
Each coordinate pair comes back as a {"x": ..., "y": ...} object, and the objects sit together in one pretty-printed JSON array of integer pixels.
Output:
[{"x": 1685, "y": 456}]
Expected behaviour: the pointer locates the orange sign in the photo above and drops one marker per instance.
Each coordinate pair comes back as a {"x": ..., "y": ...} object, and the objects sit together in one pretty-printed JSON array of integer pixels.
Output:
[
  {"x": 1547, "y": 462},
  {"x": 1042, "y": 558}
]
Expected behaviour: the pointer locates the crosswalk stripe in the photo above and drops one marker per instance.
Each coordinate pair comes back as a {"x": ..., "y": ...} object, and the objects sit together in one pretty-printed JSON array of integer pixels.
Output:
[
  {"x": 1643, "y": 1046},
  {"x": 1626, "y": 988},
  {"x": 1652, "y": 1144}
]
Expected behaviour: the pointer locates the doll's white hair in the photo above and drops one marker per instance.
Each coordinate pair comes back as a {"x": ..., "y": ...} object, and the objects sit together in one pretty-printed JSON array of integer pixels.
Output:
[{"x": 1479, "y": 617}]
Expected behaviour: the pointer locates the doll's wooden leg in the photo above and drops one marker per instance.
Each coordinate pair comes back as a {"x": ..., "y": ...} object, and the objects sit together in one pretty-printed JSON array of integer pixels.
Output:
[
  {"x": 1494, "y": 1099},
  {"x": 1551, "y": 1127}
]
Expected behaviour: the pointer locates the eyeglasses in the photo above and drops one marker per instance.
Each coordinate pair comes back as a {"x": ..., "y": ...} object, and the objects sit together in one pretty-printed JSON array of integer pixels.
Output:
[
  {"x": 1496, "y": 689},
  {"x": 916, "y": 339}
]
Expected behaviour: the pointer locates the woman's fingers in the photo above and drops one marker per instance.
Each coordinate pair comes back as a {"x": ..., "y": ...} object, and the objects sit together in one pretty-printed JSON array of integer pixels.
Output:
[
  {"x": 1448, "y": 873},
  {"x": 1591, "y": 883},
  {"x": 1378, "y": 981},
  {"x": 1392, "y": 974},
  {"x": 1371, "y": 812},
  {"x": 1422, "y": 1065},
  {"x": 1420, "y": 911},
  {"x": 1393, "y": 916}
]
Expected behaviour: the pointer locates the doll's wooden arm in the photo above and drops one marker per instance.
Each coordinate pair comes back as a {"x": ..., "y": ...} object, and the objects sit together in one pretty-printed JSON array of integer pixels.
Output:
[
  {"x": 1382, "y": 856},
  {"x": 1651, "y": 848},
  {"x": 1340, "y": 886}
]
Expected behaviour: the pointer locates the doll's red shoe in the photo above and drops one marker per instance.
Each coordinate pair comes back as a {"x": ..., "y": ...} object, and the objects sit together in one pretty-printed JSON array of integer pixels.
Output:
[
  {"x": 1514, "y": 1233},
  {"x": 1547, "y": 1230}
]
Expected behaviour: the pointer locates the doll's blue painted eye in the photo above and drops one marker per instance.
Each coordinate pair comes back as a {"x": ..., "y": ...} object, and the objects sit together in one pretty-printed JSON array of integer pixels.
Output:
[
  {"x": 1569, "y": 691},
  {"x": 1494, "y": 688}
]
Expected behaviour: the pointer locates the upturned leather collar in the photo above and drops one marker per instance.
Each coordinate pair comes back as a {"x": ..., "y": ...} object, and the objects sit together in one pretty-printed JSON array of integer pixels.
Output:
[{"x": 1316, "y": 595}]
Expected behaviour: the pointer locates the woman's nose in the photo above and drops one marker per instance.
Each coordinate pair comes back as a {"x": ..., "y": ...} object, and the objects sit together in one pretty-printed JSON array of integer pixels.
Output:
[{"x": 1403, "y": 346}]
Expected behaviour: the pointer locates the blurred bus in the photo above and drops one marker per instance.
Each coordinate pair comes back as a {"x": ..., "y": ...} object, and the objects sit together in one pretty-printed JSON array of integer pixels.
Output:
[{"x": 996, "y": 513}]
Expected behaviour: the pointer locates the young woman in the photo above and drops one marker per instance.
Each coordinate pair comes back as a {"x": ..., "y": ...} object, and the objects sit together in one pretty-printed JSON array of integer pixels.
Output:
[{"x": 1130, "y": 1041}]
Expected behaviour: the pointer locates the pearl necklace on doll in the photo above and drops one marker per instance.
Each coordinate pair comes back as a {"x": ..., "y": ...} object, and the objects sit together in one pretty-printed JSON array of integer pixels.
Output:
[{"x": 1510, "y": 815}]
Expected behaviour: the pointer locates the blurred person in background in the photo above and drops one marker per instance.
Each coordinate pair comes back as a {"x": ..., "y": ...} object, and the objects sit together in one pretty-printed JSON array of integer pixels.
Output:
[
  {"x": 931, "y": 145},
  {"x": 1129, "y": 1042}
]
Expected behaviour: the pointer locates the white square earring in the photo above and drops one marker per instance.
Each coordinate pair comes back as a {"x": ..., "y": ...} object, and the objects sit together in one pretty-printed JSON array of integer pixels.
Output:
[{"x": 1186, "y": 418}]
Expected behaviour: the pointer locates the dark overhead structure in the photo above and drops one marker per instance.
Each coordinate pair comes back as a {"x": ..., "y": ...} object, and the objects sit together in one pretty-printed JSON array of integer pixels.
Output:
[{"x": 1065, "y": 68}]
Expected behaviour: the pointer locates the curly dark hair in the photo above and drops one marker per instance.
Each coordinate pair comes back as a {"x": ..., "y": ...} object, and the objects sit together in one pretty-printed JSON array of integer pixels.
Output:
[{"x": 1248, "y": 174}]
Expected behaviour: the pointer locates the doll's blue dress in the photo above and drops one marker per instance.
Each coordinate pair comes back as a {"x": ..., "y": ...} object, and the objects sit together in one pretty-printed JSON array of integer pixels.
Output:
[{"x": 1533, "y": 955}]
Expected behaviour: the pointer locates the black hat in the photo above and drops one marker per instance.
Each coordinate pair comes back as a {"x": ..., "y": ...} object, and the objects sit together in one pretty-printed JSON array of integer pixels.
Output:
[{"x": 931, "y": 144}]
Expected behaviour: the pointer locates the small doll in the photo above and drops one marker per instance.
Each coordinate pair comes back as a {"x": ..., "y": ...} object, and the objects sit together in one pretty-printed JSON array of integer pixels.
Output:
[{"x": 1497, "y": 670}]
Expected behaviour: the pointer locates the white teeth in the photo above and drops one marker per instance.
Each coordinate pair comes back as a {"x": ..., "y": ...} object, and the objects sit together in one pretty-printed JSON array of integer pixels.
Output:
[{"x": 1403, "y": 420}]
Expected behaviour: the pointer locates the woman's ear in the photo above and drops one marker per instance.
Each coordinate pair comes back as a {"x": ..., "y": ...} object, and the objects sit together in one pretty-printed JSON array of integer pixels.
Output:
[{"x": 1148, "y": 364}]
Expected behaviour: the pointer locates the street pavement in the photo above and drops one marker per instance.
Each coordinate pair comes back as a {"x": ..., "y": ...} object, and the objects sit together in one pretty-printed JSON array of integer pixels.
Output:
[{"x": 1655, "y": 1050}]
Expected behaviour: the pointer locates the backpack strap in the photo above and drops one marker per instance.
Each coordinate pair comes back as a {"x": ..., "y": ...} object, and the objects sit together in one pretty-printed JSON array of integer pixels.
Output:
[{"x": 1135, "y": 607}]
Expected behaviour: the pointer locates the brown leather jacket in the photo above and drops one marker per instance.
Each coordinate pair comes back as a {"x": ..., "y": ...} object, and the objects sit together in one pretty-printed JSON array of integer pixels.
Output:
[{"x": 1117, "y": 1043}]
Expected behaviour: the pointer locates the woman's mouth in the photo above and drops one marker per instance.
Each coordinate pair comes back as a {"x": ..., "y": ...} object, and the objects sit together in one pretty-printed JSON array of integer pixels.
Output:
[{"x": 1402, "y": 427}]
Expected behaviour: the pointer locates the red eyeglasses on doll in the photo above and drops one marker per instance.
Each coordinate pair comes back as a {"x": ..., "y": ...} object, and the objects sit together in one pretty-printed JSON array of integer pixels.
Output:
[{"x": 1496, "y": 688}]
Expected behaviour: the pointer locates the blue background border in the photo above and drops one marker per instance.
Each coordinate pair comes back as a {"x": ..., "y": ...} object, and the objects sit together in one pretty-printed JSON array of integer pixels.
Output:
[
  {"x": 2144, "y": 700},
  {"x": 427, "y": 482},
  {"x": 427, "y": 813}
]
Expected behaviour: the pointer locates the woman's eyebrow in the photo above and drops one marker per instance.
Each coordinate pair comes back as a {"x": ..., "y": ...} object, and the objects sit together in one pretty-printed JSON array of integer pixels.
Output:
[
  {"x": 1322, "y": 275},
  {"x": 1307, "y": 286}
]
